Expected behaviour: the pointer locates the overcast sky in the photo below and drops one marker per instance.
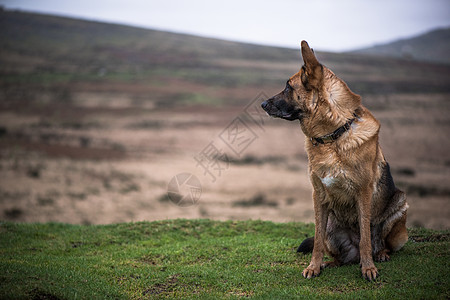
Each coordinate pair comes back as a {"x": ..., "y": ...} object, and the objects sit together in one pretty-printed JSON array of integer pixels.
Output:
[{"x": 331, "y": 25}]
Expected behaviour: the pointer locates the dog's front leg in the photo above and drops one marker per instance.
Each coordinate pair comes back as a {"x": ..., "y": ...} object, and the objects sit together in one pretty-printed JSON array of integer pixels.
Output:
[
  {"x": 369, "y": 271},
  {"x": 321, "y": 218}
]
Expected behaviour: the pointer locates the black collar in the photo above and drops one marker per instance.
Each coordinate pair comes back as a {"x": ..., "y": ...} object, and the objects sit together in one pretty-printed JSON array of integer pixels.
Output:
[{"x": 331, "y": 137}]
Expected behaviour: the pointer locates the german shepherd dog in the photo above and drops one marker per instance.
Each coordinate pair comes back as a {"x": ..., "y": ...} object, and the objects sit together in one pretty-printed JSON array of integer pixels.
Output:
[{"x": 359, "y": 213}]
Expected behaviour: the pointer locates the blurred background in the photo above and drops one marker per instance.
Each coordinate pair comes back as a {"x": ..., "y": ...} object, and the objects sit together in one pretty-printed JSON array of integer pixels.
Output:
[{"x": 104, "y": 103}]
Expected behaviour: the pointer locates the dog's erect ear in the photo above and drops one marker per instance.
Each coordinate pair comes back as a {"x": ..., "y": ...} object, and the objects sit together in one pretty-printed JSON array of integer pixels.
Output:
[
  {"x": 308, "y": 55},
  {"x": 313, "y": 69}
]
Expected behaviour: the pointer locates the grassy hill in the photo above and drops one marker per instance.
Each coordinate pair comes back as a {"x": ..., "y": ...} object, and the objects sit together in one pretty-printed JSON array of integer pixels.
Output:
[
  {"x": 61, "y": 57},
  {"x": 202, "y": 259},
  {"x": 48, "y": 52},
  {"x": 432, "y": 46}
]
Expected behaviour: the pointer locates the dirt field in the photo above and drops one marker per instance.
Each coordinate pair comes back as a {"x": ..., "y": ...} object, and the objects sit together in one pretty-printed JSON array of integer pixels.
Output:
[{"x": 113, "y": 161}]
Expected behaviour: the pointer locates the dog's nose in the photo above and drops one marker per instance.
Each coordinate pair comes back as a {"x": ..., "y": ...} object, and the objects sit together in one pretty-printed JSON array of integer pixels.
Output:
[{"x": 264, "y": 105}]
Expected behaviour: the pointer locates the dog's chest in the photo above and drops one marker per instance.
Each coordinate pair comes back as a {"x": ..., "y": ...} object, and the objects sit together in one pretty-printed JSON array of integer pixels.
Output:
[
  {"x": 338, "y": 184},
  {"x": 334, "y": 174},
  {"x": 331, "y": 172},
  {"x": 329, "y": 180},
  {"x": 340, "y": 195},
  {"x": 335, "y": 181}
]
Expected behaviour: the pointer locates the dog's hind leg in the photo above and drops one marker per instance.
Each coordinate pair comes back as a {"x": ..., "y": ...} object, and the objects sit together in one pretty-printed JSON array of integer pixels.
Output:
[
  {"x": 394, "y": 233},
  {"x": 395, "y": 240},
  {"x": 398, "y": 235}
]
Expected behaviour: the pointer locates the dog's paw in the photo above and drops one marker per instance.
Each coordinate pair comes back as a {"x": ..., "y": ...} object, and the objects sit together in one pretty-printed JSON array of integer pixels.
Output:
[
  {"x": 311, "y": 271},
  {"x": 382, "y": 256},
  {"x": 370, "y": 272}
]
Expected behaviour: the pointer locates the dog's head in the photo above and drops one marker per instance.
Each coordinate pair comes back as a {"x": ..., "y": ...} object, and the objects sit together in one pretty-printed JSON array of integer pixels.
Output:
[{"x": 315, "y": 96}]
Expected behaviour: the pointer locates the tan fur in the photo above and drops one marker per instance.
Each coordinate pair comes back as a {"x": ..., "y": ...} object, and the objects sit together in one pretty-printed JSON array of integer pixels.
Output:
[
  {"x": 353, "y": 188},
  {"x": 398, "y": 236}
]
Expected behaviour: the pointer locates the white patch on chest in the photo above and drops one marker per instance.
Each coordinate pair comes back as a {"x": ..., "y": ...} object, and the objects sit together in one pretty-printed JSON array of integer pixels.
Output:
[{"x": 328, "y": 180}]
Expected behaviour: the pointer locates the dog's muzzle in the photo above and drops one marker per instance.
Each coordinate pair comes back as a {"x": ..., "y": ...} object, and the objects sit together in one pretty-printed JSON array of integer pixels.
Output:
[
  {"x": 264, "y": 105},
  {"x": 283, "y": 112}
]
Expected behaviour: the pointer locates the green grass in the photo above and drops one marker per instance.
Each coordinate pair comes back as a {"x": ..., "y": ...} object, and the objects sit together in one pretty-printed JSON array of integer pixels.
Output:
[{"x": 202, "y": 259}]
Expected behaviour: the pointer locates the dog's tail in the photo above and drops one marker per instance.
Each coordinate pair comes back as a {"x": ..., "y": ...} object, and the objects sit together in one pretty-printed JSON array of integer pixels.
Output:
[{"x": 306, "y": 246}]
